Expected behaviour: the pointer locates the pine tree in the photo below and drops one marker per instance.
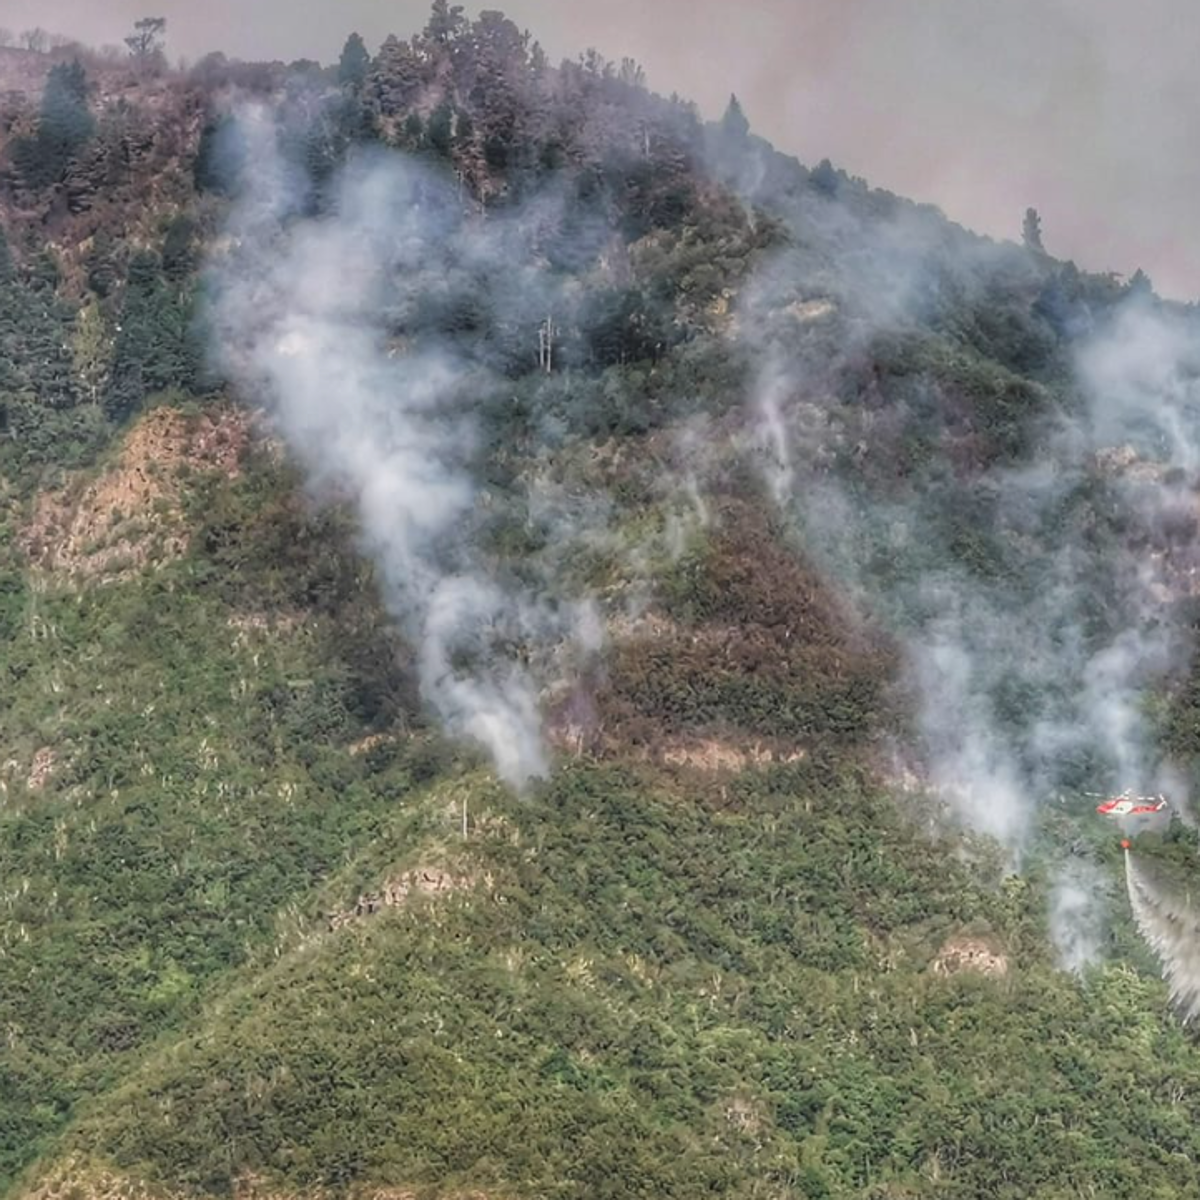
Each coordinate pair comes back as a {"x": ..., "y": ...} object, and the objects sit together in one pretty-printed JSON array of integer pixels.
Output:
[
  {"x": 352, "y": 66},
  {"x": 824, "y": 178},
  {"x": 8, "y": 269},
  {"x": 734, "y": 125},
  {"x": 179, "y": 254},
  {"x": 1031, "y": 231},
  {"x": 102, "y": 273},
  {"x": 129, "y": 381},
  {"x": 155, "y": 348},
  {"x": 10, "y": 307},
  {"x": 464, "y": 129},
  {"x": 439, "y": 132},
  {"x": 91, "y": 349},
  {"x": 35, "y": 327},
  {"x": 65, "y": 124},
  {"x": 1139, "y": 284},
  {"x": 446, "y": 23},
  {"x": 220, "y": 157},
  {"x": 396, "y": 77},
  {"x": 413, "y": 130}
]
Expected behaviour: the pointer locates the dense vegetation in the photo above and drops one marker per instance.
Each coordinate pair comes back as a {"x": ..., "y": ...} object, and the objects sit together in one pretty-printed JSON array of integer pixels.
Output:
[{"x": 719, "y": 951}]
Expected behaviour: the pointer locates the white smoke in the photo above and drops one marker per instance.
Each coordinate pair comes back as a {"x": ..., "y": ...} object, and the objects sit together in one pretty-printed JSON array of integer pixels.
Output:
[
  {"x": 1076, "y": 927},
  {"x": 1141, "y": 375},
  {"x": 299, "y": 310},
  {"x": 1033, "y": 679},
  {"x": 776, "y": 450},
  {"x": 971, "y": 761}
]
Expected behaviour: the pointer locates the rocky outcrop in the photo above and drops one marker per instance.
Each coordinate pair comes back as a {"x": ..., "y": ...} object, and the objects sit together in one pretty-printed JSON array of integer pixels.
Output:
[
  {"x": 970, "y": 954},
  {"x": 401, "y": 890}
]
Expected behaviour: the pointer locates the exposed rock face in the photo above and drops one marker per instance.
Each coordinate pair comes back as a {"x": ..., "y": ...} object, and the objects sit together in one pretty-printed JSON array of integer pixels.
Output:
[
  {"x": 371, "y": 742},
  {"x": 970, "y": 954},
  {"x": 717, "y": 755},
  {"x": 401, "y": 889},
  {"x": 41, "y": 769}
]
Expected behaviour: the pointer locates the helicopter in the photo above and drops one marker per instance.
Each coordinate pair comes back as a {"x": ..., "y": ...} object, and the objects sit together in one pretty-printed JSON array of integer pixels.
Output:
[{"x": 1129, "y": 805}]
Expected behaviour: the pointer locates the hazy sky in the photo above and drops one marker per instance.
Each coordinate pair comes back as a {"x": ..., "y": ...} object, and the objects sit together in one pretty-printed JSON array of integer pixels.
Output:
[{"x": 1086, "y": 109}]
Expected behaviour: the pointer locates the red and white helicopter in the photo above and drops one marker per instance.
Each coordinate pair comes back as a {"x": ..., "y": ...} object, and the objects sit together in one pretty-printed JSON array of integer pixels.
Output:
[{"x": 1129, "y": 805}]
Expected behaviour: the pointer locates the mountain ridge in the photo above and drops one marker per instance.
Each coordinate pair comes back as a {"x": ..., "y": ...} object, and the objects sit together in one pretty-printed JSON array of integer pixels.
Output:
[{"x": 744, "y": 938}]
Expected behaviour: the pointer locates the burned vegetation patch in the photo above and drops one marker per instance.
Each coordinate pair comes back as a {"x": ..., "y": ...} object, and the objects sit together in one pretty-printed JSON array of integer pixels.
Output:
[
  {"x": 758, "y": 652},
  {"x": 282, "y": 562}
]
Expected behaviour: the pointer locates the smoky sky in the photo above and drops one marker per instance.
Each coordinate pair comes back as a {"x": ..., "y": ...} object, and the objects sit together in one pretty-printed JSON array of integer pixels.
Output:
[{"x": 1084, "y": 109}]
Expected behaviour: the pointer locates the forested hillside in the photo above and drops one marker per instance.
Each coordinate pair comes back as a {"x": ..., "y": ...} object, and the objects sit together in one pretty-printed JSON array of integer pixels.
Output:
[{"x": 551, "y": 650}]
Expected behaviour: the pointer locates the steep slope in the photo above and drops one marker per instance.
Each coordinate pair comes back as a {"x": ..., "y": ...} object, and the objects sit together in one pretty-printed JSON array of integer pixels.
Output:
[
  {"x": 628, "y": 995},
  {"x": 267, "y": 928}
]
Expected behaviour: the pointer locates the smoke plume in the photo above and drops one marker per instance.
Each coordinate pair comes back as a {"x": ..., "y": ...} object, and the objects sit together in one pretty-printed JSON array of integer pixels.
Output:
[
  {"x": 1075, "y": 924},
  {"x": 305, "y": 312},
  {"x": 1038, "y": 597}
]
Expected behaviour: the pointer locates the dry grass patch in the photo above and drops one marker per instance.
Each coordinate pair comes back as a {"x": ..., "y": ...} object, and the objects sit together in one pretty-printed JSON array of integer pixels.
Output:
[
  {"x": 74, "y": 1181},
  {"x": 131, "y": 515}
]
